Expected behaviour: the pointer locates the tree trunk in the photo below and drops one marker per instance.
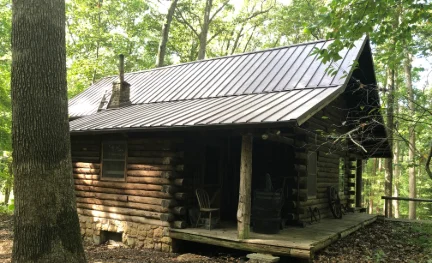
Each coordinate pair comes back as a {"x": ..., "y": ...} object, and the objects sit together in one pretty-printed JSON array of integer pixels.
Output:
[
  {"x": 411, "y": 146},
  {"x": 46, "y": 226},
  {"x": 204, "y": 30},
  {"x": 165, "y": 33},
  {"x": 390, "y": 126},
  {"x": 244, "y": 203},
  {"x": 396, "y": 162}
]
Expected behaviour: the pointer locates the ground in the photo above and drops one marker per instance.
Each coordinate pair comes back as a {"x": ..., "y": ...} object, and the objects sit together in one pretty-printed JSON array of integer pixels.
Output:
[{"x": 378, "y": 242}]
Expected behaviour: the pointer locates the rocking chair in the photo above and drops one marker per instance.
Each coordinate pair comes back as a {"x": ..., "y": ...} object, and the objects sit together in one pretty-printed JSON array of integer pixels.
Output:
[{"x": 204, "y": 207}]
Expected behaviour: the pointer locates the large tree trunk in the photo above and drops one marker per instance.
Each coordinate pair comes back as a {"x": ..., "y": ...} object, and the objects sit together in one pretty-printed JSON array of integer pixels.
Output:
[
  {"x": 46, "y": 226},
  {"x": 411, "y": 146},
  {"x": 165, "y": 34},
  {"x": 204, "y": 30},
  {"x": 396, "y": 162},
  {"x": 390, "y": 126}
]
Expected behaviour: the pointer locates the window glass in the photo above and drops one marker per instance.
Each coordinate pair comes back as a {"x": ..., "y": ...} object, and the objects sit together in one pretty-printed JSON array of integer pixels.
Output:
[{"x": 113, "y": 160}]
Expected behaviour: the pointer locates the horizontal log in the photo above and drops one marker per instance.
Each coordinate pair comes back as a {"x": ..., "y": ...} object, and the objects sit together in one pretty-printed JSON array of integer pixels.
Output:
[
  {"x": 170, "y": 189},
  {"x": 114, "y": 197},
  {"x": 157, "y": 194},
  {"x": 128, "y": 211},
  {"x": 178, "y": 224},
  {"x": 300, "y": 167},
  {"x": 314, "y": 202},
  {"x": 120, "y": 185},
  {"x": 350, "y": 176},
  {"x": 85, "y": 147},
  {"x": 80, "y": 159},
  {"x": 178, "y": 210},
  {"x": 277, "y": 138},
  {"x": 85, "y": 153},
  {"x": 155, "y": 141},
  {"x": 350, "y": 185},
  {"x": 86, "y": 171},
  {"x": 148, "y": 180},
  {"x": 179, "y": 154},
  {"x": 305, "y": 209},
  {"x": 115, "y": 216},
  {"x": 86, "y": 176},
  {"x": 327, "y": 174},
  {"x": 151, "y": 160},
  {"x": 153, "y": 201},
  {"x": 328, "y": 170},
  {"x": 147, "y": 207},
  {"x": 149, "y": 173},
  {"x": 155, "y": 167},
  {"x": 328, "y": 160},
  {"x": 168, "y": 203},
  {"x": 330, "y": 165},
  {"x": 181, "y": 196},
  {"x": 86, "y": 165},
  {"x": 328, "y": 155}
]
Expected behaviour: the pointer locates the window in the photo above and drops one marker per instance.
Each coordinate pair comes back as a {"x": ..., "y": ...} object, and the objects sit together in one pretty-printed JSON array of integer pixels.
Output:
[
  {"x": 312, "y": 174},
  {"x": 342, "y": 175},
  {"x": 114, "y": 160}
]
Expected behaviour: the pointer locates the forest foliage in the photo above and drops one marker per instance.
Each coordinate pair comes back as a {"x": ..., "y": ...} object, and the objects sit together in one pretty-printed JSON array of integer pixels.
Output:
[{"x": 98, "y": 30}]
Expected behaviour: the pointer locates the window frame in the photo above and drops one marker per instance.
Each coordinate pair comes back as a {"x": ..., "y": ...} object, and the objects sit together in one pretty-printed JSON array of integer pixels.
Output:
[
  {"x": 103, "y": 178},
  {"x": 309, "y": 187}
]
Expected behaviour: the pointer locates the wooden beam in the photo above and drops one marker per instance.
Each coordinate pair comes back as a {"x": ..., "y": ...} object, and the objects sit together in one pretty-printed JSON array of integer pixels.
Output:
[
  {"x": 277, "y": 138},
  {"x": 244, "y": 203}
]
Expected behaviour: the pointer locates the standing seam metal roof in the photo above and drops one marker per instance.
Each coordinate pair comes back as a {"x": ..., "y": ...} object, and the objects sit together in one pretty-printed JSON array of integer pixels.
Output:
[{"x": 281, "y": 84}]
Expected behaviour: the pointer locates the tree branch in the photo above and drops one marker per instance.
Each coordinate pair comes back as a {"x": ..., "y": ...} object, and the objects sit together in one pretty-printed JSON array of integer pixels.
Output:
[
  {"x": 218, "y": 10},
  {"x": 185, "y": 22}
]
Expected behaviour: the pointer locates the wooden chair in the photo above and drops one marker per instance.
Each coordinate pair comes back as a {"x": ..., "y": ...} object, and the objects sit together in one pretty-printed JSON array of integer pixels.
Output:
[{"x": 204, "y": 206}]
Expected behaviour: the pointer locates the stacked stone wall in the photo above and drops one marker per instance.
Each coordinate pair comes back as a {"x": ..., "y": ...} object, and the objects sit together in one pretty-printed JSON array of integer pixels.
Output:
[{"x": 134, "y": 235}]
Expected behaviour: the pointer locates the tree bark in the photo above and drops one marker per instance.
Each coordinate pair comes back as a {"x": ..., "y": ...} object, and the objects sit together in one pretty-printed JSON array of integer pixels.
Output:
[
  {"x": 396, "y": 163},
  {"x": 390, "y": 127},
  {"x": 412, "y": 139},
  {"x": 165, "y": 34},
  {"x": 244, "y": 203},
  {"x": 46, "y": 226},
  {"x": 204, "y": 30}
]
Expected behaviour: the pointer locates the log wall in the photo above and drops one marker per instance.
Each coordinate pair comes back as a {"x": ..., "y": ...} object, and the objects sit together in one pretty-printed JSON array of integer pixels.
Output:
[
  {"x": 144, "y": 205},
  {"x": 315, "y": 138}
]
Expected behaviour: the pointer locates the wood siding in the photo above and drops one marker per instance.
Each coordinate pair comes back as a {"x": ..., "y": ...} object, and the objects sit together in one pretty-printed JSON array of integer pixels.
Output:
[{"x": 151, "y": 192}]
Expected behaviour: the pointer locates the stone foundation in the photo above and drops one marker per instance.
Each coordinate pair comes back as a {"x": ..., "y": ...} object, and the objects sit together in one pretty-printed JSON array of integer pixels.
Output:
[{"x": 134, "y": 235}]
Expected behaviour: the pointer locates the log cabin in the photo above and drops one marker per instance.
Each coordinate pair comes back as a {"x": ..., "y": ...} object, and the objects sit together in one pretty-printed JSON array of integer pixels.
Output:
[{"x": 265, "y": 127}]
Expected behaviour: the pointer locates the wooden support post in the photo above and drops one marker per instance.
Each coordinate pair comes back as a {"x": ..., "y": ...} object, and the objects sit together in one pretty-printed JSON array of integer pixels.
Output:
[
  {"x": 244, "y": 203},
  {"x": 358, "y": 185}
]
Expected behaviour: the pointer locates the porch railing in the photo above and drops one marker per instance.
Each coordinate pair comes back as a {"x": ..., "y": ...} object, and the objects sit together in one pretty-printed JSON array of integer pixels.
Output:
[{"x": 390, "y": 198}]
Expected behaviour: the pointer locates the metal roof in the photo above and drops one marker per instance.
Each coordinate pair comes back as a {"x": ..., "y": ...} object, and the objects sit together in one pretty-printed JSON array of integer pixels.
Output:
[{"x": 280, "y": 84}]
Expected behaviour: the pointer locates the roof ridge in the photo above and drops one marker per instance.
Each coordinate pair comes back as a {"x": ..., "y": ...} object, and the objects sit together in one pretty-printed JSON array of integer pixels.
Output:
[{"x": 222, "y": 57}]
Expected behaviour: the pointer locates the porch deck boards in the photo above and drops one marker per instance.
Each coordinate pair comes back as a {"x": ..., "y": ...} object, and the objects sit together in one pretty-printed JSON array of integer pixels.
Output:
[{"x": 291, "y": 241}]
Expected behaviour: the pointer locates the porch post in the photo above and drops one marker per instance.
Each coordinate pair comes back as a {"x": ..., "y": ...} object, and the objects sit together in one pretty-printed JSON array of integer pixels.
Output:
[
  {"x": 244, "y": 203},
  {"x": 358, "y": 185}
]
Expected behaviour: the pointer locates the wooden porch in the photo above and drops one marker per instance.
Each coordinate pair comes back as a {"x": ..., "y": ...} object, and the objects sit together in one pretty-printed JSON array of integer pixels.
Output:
[{"x": 291, "y": 241}]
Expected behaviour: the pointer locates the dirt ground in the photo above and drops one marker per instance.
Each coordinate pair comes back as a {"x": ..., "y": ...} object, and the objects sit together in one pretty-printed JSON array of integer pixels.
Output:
[{"x": 378, "y": 242}]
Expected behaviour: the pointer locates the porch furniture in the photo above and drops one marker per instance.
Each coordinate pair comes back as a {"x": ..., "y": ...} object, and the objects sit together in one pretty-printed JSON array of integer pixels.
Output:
[
  {"x": 266, "y": 208},
  {"x": 334, "y": 202},
  {"x": 204, "y": 207}
]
